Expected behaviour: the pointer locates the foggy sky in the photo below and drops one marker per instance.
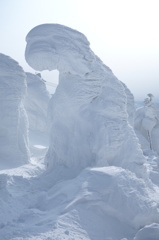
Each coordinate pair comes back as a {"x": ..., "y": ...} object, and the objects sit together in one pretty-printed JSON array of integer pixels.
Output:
[{"x": 124, "y": 34}]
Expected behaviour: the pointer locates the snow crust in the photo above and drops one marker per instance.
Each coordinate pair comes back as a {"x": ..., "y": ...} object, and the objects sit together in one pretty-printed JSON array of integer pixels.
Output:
[
  {"x": 13, "y": 119},
  {"x": 89, "y": 108}
]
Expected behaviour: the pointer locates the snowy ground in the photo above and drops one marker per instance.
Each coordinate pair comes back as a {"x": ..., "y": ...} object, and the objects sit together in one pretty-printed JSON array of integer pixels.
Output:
[{"x": 99, "y": 204}]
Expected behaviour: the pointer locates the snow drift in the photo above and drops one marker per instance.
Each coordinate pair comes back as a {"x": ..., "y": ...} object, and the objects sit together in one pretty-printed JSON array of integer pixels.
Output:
[
  {"x": 13, "y": 118},
  {"x": 89, "y": 108}
]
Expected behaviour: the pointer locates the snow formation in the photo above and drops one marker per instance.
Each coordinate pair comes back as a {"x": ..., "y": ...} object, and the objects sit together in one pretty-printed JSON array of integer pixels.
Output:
[
  {"x": 36, "y": 103},
  {"x": 13, "y": 118},
  {"x": 147, "y": 125},
  {"x": 89, "y": 108}
]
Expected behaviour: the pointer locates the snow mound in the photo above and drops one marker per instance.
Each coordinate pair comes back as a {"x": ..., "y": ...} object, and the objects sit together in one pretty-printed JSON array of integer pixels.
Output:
[
  {"x": 89, "y": 108},
  {"x": 36, "y": 103},
  {"x": 13, "y": 119}
]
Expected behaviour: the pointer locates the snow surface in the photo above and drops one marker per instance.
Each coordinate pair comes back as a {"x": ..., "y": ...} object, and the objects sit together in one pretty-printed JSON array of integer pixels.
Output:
[
  {"x": 100, "y": 203},
  {"x": 13, "y": 119},
  {"x": 98, "y": 185}
]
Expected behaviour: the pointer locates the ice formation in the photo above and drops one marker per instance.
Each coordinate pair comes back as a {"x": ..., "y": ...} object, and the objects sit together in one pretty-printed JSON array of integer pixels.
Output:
[
  {"x": 147, "y": 125},
  {"x": 36, "y": 103},
  {"x": 89, "y": 108},
  {"x": 13, "y": 118}
]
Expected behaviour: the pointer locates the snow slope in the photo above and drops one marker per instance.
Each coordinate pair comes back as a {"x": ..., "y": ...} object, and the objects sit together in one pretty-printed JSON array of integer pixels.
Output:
[
  {"x": 89, "y": 108},
  {"x": 13, "y": 118}
]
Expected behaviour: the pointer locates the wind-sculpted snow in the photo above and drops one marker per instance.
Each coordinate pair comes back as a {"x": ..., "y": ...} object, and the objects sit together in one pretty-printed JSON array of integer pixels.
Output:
[
  {"x": 13, "y": 118},
  {"x": 36, "y": 103},
  {"x": 89, "y": 108}
]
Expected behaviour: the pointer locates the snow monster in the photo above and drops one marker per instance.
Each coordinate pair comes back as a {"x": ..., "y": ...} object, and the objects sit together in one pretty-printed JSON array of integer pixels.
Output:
[
  {"x": 90, "y": 110},
  {"x": 13, "y": 119}
]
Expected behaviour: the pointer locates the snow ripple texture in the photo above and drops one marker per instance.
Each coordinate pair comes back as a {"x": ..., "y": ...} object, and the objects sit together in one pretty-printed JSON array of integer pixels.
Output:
[
  {"x": 89, "y": 109},
  {"x": 13, "y": 119}
]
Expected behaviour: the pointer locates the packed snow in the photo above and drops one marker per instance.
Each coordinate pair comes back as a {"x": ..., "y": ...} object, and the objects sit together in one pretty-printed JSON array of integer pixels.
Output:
[{"x": 93, "y": 180}]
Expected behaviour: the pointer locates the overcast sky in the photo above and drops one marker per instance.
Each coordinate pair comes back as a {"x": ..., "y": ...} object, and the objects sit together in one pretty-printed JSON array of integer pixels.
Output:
[{"x": 123, "y": 33}]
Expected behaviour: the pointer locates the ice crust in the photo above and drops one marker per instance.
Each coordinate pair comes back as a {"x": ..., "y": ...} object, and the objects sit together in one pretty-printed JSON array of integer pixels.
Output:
[
  {"x": 13, "y": 119},
  {"x": 90, "y": 125}
]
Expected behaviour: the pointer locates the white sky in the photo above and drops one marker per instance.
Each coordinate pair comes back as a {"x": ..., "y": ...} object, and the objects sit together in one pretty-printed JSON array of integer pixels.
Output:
[{"x": 123, "y": 33}]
